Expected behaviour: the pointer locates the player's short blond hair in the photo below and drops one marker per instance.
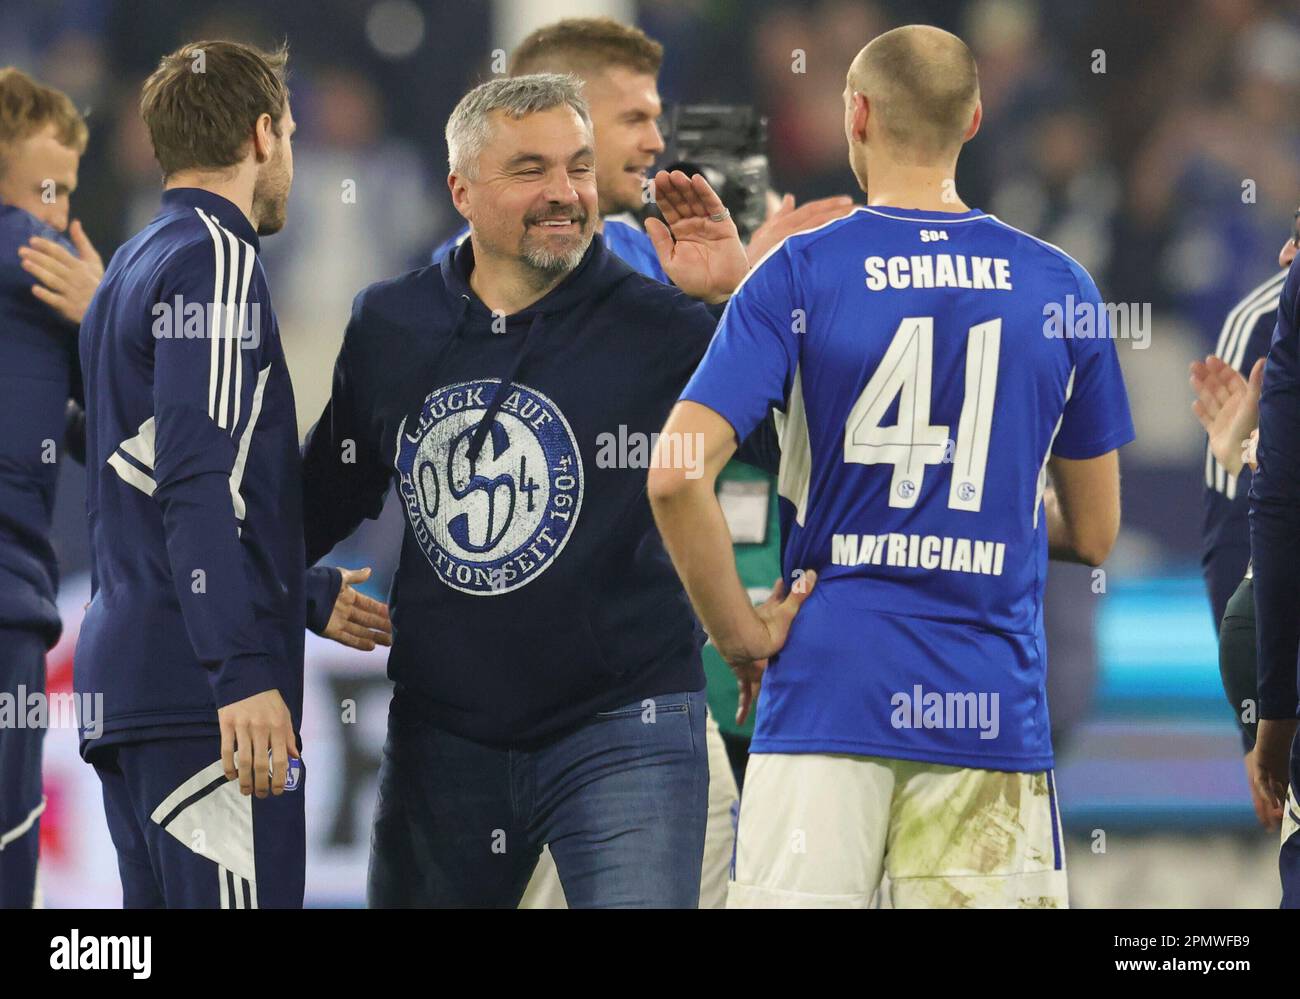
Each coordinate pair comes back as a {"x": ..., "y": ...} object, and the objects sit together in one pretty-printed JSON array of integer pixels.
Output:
[
  {"x": 585, "y": 45},
  {"x": 924, "y": 85},
  {"x": 27, "y": 107}
]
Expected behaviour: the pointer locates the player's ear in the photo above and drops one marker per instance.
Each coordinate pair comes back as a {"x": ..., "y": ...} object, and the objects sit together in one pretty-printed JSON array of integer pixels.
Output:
[
  {"x": 263, "y": 136},
  {"x": 976, "y": 119},
  {"x": 861, "y": 112},
  {"x": 459, "y": 194}
]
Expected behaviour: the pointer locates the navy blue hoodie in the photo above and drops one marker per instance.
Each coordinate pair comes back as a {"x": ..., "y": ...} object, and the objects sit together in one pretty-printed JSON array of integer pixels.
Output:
[
  {"x": 533, "y": 589},
  {"x": 38, "y": 376}
]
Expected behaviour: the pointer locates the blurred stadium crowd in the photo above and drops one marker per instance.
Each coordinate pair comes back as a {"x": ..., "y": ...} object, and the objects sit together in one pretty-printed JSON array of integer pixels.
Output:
[{"x": 1154, "y": 141}]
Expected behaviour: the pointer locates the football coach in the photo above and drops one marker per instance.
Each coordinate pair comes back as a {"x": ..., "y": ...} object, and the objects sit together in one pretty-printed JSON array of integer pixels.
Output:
[{"x": 546, "y": 662}]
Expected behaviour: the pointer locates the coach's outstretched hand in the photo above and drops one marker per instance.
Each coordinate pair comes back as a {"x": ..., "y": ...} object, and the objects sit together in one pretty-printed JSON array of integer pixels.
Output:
[
  {"x": 775, "y": 615},
  {"x": 700, "y": 251},
  {"x": 256, "y": 742},
  {"x": 358, "y": 621}
]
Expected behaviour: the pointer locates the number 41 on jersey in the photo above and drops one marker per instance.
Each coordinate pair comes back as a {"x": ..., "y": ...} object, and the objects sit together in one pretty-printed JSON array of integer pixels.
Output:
[{"x": 914, "y": 442}]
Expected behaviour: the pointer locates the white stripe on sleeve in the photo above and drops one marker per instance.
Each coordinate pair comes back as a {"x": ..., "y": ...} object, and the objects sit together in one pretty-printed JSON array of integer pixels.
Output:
[{"x": 215, "y": 382}]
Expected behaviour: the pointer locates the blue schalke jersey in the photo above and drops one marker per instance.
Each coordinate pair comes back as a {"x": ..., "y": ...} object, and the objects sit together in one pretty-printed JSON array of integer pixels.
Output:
[{"x": 924, "y": 366}]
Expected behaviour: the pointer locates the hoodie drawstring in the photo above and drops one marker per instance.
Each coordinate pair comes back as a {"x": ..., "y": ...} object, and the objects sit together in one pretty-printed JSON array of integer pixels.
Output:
[
  {"x": 499, "y": 397},
  {"x": 456, "y": 331}
]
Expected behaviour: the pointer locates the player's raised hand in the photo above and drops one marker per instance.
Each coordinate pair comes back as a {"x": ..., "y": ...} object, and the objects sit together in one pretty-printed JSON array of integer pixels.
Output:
[
  {"x": 66, "y": 281},
  {"x": 787, "y": 220},
  {"x": 1227, "y": 406},
  {"x": 699, "y": 248},
  {"x": 256, "y": 742},
  {"x": 358, "y": 621}
]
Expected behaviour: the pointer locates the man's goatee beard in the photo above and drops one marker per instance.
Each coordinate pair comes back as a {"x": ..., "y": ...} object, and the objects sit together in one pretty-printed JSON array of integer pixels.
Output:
[{"x": 556, "y": 262}]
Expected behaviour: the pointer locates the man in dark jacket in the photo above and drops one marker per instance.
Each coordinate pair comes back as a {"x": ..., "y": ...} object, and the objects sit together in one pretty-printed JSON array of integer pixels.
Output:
[
  {"x": 193, "y": 638},
  {"x": 46, "y": 280},
  {"x": 546, "y": 661}
]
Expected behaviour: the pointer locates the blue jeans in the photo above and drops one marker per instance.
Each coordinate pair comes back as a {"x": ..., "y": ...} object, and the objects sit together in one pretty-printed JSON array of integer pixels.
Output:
[{"x": 621, "y": 801}]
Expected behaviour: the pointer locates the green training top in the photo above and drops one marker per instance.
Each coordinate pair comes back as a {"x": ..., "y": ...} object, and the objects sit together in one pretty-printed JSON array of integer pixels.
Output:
[{"x": 748, "y": 499}]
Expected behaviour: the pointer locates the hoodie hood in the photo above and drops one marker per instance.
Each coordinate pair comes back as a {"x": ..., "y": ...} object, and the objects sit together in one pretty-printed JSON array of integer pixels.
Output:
[{"x": 596, "y": 274}]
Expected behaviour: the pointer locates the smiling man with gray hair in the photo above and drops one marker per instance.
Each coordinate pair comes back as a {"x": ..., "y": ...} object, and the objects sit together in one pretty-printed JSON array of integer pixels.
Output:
[
  {"x": 548, "y": 686},
  {"x": 497, "y": 231}
]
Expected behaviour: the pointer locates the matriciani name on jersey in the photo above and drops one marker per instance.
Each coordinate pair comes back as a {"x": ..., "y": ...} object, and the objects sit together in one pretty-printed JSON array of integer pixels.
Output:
[{"x": 919, "y": 551}]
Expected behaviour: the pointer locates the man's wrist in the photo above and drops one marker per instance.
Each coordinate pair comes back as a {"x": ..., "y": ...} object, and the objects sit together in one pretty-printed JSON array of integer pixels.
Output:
[
  {"x": 740, "y": 641},
  {"x": 242, "y": 676}
]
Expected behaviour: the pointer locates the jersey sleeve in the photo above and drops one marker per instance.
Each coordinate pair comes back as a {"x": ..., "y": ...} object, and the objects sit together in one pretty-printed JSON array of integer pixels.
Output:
[
  {"x": 1096, "y": 417},
  {"x": 1275, "y": 517},
  {"x": 750, "y": 363},
  {"x": 344, "y": 475},
  {"x": 205, "y": 376},
  {"x": 633, "y": 246}
]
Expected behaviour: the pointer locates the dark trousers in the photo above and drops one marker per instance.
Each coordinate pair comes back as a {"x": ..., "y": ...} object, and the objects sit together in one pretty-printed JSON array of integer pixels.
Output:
[
  {"x": 187, "y": 839},
  {"x": 1237, "y": 659},
  {"x": 22, "y": 673}
]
